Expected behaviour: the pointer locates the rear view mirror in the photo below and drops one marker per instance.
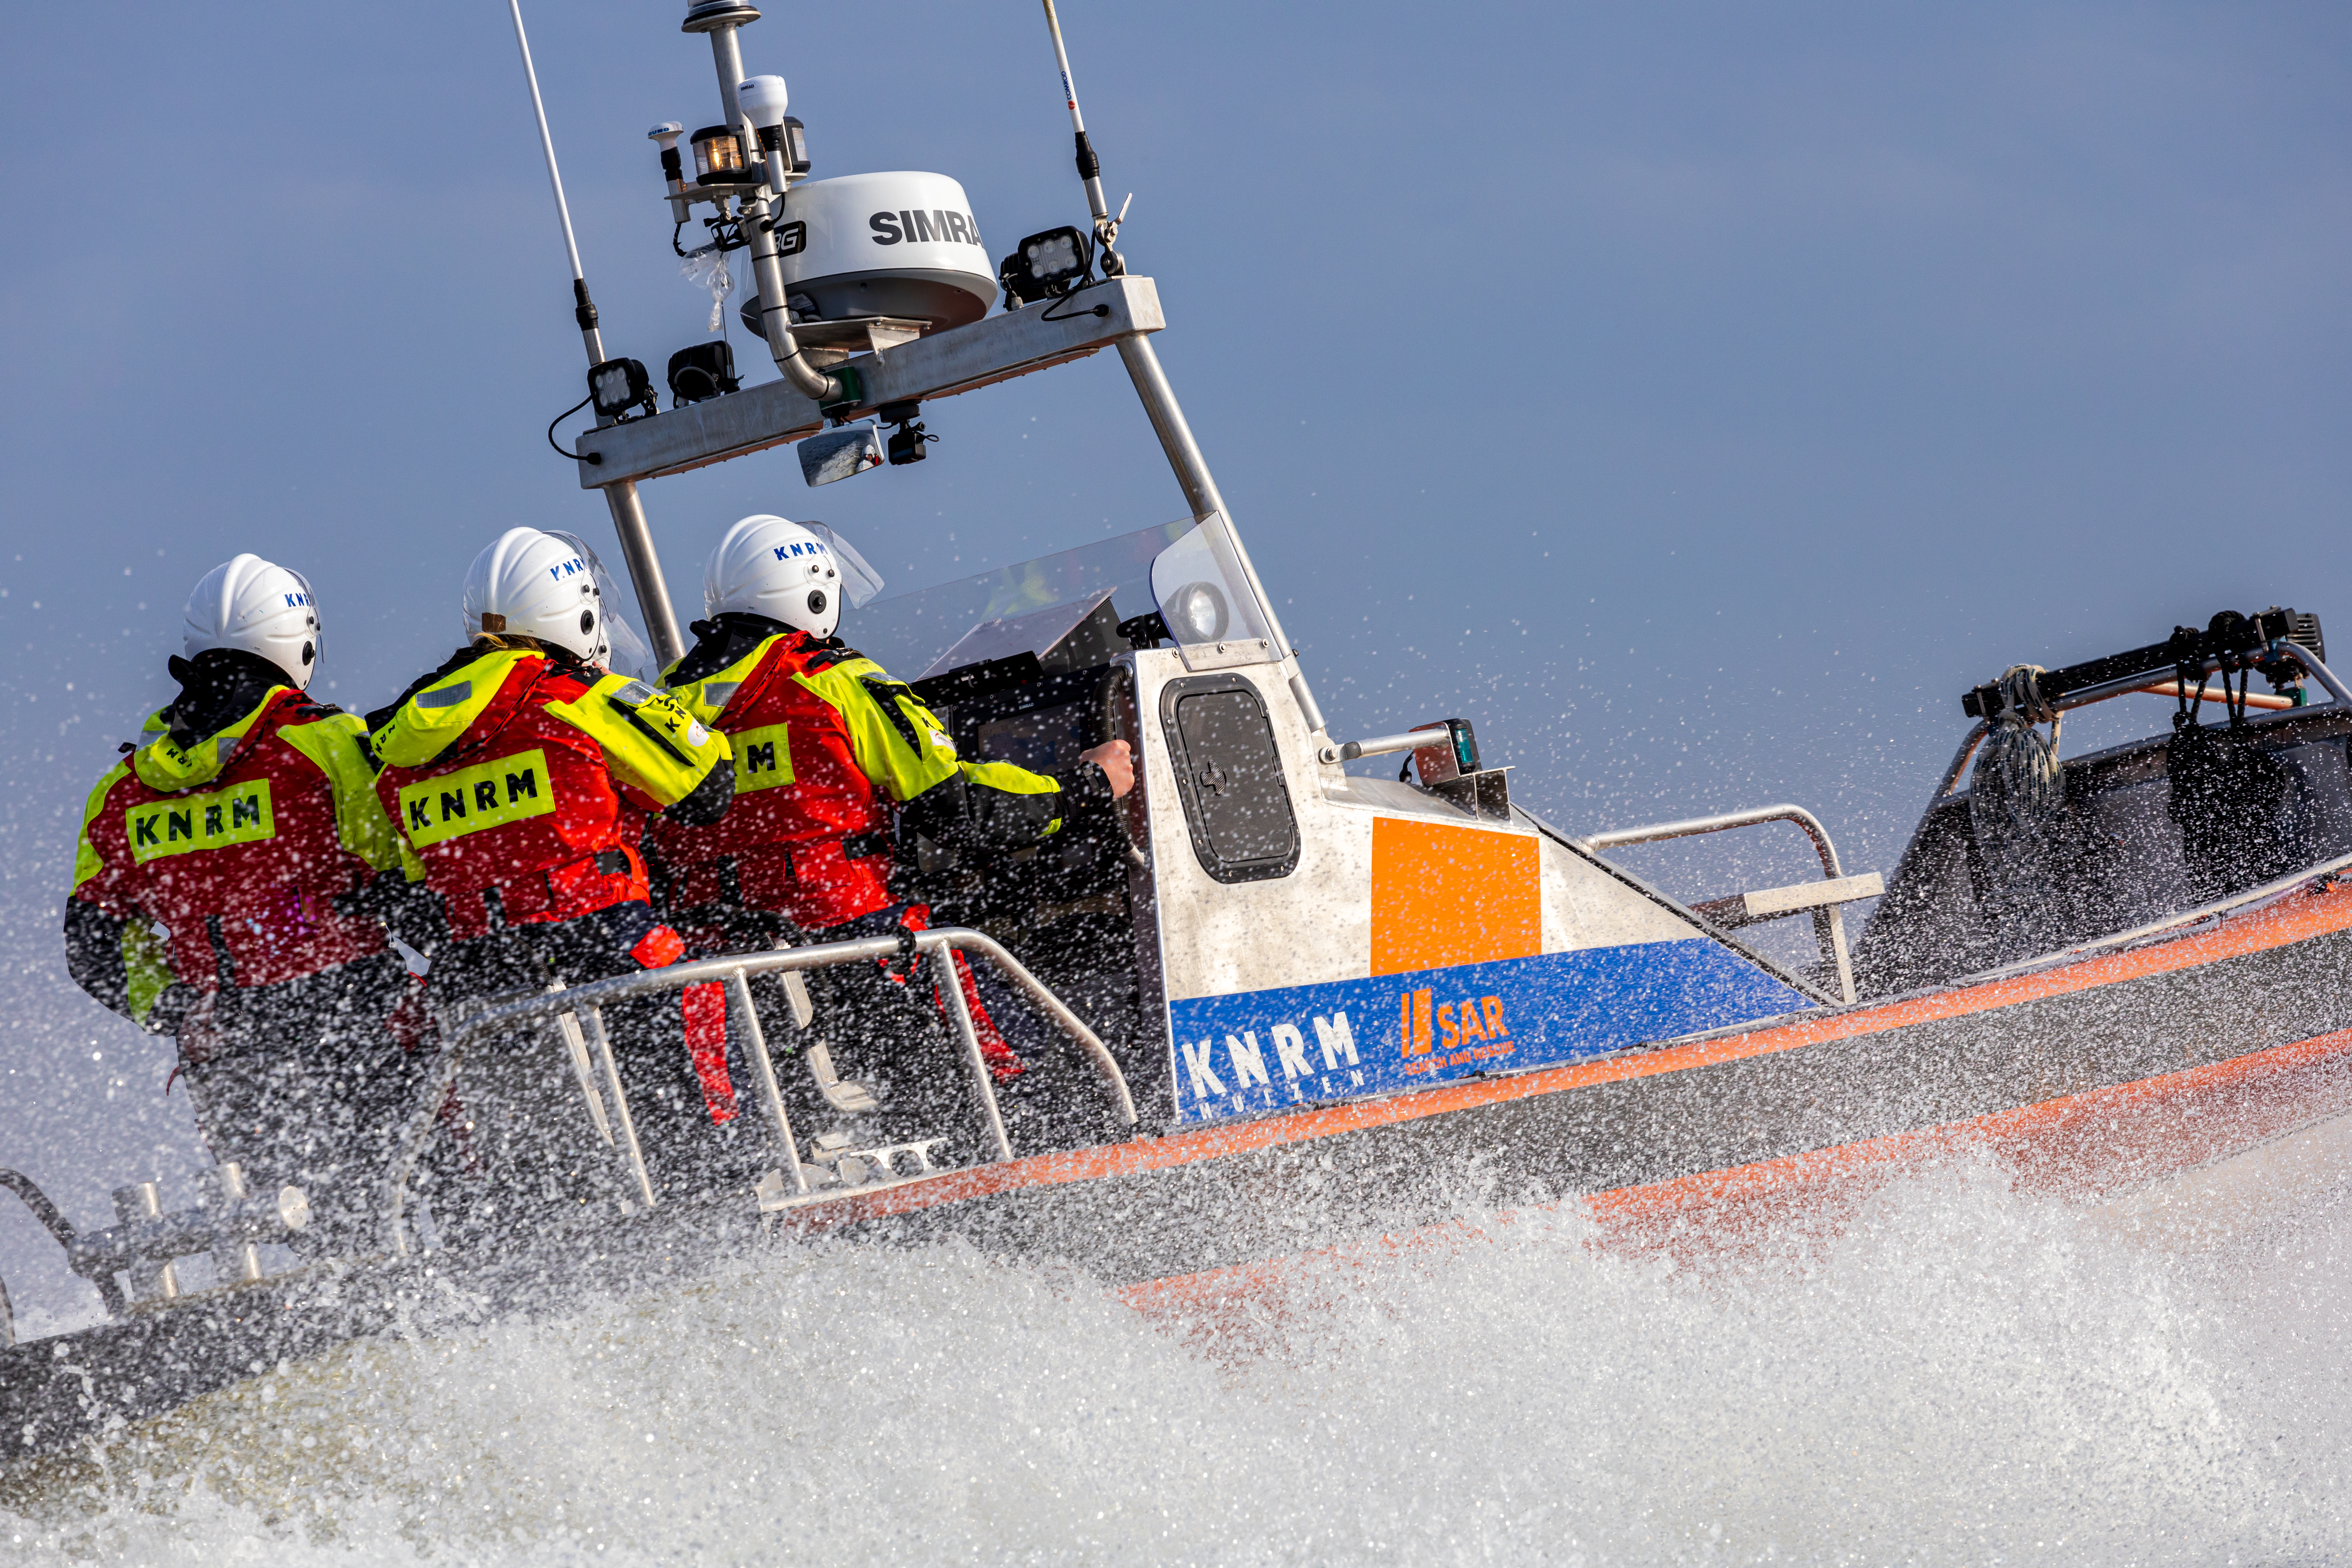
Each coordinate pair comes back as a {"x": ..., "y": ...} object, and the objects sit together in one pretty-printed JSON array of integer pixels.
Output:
[{"x": 838, "y": 454}]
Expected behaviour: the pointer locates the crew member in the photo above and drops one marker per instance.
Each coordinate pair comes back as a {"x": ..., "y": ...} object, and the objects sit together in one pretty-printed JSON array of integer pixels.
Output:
[
  {"x": 522, "y": 773},
  {"x": 836, "y": 764},
  {"x": 245, "y": 825}
]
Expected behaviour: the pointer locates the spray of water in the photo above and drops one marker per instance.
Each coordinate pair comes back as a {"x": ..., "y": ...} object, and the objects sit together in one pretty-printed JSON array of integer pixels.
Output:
[{"x": 1964, "y": 1375}]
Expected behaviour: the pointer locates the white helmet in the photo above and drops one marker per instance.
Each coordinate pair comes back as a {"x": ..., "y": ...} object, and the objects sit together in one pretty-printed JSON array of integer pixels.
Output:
[
  {"x": 541, "y": 586},
  {"x": 788, "y": 571},
  {"x": 249, "y": 604}
]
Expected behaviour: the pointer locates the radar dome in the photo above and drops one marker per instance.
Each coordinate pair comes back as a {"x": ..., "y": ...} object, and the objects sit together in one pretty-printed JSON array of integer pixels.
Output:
[{"x": 900, "y": 244}]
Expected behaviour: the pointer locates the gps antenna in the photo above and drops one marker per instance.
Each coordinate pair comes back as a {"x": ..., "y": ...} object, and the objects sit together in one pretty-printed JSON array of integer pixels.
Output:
[
  {"x": 584, "y": 309},
  {"x": 1089, "y": 166}
]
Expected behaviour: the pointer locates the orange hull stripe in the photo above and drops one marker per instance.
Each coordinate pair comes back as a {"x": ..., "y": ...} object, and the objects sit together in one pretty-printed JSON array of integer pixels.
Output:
[
  {"x": 2048, "y": 1123},
  {"x": 2293, "y": 919},
  {"x": 2042, "y": 1134}
]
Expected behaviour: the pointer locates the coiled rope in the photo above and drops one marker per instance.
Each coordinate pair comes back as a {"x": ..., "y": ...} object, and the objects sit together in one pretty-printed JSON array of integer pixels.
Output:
[{"x": 2017, "y": 802}]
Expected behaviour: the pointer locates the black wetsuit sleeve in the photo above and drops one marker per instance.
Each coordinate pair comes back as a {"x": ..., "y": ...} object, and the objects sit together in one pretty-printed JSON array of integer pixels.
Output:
[
  {"x": 1085, "y": 790},
  {"x": 709, "y": 800},
  {"x": 94, "y": 955},
  {"x": 968, "y": 816}
]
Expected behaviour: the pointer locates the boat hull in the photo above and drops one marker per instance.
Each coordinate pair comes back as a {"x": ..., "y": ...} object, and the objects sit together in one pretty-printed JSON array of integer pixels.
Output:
[{"x": 2090, "y": 1076}]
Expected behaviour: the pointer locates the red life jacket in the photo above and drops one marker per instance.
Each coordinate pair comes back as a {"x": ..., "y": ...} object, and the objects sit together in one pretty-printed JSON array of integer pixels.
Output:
[
  {"x": 519, "y": 805},
  {"x": 808, "y": 833},
  {"x": 242, "y": 865}
]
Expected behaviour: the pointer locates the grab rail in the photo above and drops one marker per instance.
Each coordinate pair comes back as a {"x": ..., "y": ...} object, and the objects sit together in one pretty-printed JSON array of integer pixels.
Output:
[
  {"x": 63, "y": 1232},
  {"x": 1691, "y": 826},
  {"x": 735, "y": 971},
  {"x": 1829, "y": 920}
]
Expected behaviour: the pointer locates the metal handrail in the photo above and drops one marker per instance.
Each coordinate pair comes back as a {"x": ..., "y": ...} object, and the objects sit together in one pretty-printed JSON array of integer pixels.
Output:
[
  {"x": 2088, "y": 695},
  {"x": 2317, "y": 672},
  {"x": 1829, "y": 921},
  {"x": 1691, "y": 826},
  {"x": 735, "y": 971},
  {"x": 1380, "y": 745},
  {"x": 63, "y": 1233}
]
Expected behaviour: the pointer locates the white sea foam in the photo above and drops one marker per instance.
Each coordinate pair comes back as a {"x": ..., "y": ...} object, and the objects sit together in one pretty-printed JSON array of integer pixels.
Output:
[{"x": 1965, "y": 1375}]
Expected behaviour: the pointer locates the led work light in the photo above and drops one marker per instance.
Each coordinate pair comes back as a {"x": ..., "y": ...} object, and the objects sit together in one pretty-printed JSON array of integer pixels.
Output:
[
  {"x": 617, "y": 385},
  {"x": 1197, "y": 613},
  {"x": 1046, "y": 265}
]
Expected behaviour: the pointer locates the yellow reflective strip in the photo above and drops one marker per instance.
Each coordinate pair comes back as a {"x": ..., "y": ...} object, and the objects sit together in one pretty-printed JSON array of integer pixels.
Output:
[
  {"x": 651, "y": 742},
  {"x": 878, "y": 742},
  {"x": 87, "y": 862},
  {"x": 333, "y": 745},
  {"x": 468, "y": 800},
  {"x": 763, "y": 758},
  {"x": 146, "y": 966},
  {"x": 239, "y": 814}
]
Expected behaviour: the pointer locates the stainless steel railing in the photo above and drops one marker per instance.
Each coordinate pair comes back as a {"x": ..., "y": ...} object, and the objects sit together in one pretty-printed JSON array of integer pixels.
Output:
[
  {"x": 1829, "y": 920},
  {"x": 585, "y": 1003}
]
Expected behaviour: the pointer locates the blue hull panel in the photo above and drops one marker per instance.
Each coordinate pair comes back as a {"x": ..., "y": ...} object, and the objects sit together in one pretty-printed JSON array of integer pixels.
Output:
[{"x": 1262, "y": 1050}]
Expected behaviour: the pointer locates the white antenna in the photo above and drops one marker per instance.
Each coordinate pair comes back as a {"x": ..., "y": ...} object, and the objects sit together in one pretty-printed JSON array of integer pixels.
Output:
[
  {"x": 583, "y": 310},
  {"x": 1089, "y": 166}
]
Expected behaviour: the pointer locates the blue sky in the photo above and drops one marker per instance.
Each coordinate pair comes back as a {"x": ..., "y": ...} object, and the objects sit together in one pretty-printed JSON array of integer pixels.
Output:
[{"x": 1696, "y": 396}]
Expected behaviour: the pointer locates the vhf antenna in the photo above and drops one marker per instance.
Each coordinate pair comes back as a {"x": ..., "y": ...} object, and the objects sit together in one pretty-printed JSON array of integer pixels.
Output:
[
  {"x": 629, "y": 523},
  {"x": 584, "y": 309},
  {"x": 1089, "y": 166}
]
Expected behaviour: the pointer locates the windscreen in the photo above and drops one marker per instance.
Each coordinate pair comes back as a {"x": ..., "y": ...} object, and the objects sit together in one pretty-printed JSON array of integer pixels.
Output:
[{"x": 909, "y": 633}]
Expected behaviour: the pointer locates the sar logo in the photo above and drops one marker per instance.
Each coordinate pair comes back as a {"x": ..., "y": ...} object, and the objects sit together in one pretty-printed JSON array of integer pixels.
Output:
[
  {"x": 1444, "y": 1031},
  {"x": 1412, "y": 1022}
]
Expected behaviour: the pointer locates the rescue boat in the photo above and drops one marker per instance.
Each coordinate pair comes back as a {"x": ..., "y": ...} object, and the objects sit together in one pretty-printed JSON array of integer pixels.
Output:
[{"x": 1298, "y": 1005}]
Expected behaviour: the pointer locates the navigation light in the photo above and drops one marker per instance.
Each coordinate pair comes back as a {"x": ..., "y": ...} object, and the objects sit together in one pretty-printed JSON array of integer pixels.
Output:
[{"x": 719, "y": 156}]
